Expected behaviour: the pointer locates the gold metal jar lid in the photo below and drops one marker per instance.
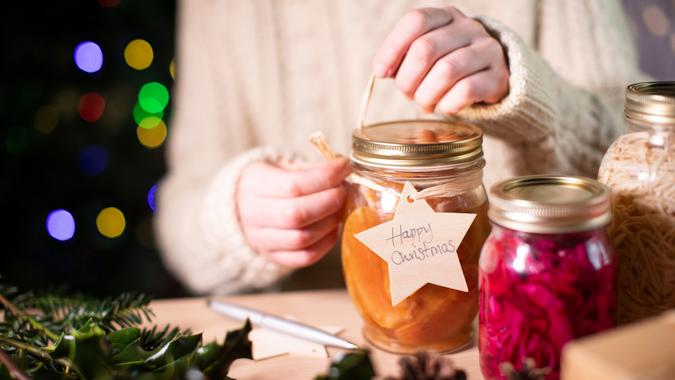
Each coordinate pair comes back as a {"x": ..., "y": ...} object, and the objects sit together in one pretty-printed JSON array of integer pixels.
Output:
[
  {"x": 413, "y": 145},
  {"x": 550, "y": 204},
  {"x": 651, "y": 103}
]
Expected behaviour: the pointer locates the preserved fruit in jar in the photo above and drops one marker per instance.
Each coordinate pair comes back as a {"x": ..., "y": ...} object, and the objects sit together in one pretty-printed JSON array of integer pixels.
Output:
[{"x": 430, "y": 155}]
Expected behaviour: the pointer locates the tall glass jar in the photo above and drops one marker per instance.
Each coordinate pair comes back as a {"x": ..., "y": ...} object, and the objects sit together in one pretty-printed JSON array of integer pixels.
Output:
[
  {"x": 639, "y": 168},
  {"x": 427, "y": 154},
  {"x": 547, "y": 271}
]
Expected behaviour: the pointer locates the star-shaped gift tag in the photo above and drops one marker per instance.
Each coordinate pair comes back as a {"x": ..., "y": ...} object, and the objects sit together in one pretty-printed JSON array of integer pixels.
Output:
[
  {"x": 268, "y": 344},
  {"x": 419, "y": 246}
]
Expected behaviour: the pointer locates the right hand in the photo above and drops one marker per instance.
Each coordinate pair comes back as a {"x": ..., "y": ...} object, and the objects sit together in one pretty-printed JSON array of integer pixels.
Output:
[
  {"x": 444, "y": 60},
  {"x": 291, "y": 216}
]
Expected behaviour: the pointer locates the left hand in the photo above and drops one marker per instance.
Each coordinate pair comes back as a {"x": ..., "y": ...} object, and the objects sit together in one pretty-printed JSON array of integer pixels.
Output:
[
  {"x": 291, "y": 215},
  {"x": 443, "y": 60}
]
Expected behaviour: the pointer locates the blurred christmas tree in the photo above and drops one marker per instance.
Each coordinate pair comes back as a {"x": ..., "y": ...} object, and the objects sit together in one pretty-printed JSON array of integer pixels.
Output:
[{"x": 85, "y": 105}]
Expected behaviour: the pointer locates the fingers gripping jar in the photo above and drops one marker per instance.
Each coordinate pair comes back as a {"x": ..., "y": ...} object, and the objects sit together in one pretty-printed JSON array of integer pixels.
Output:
[
  {"x": 639, "y": 168},
  {"x": 445, "y": 159}
]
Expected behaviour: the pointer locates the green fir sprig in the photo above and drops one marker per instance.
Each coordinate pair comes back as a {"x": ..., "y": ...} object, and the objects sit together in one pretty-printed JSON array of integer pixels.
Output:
[{"x": 53, "y": 335}]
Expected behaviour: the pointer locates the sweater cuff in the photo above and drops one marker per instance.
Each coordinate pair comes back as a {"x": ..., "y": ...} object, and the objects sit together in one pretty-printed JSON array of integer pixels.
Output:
[
  {"x": 526, "y": 113},
  {"x": 219, "y": 220}
]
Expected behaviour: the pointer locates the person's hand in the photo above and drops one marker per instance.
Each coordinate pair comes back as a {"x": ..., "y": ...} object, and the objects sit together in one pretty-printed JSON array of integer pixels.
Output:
[
  {"x": 291, "y": 216},
  {"x": 444, "y": 60}
]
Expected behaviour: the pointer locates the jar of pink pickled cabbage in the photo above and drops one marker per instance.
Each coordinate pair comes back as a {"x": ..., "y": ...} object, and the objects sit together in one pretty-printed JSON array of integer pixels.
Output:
[{"x": 547, "y": 273}]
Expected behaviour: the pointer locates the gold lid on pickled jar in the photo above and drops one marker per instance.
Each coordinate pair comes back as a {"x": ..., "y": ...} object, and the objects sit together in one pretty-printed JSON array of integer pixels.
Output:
[
  {"x": 411, "y": 145},
  {"x": 550, "y": 204},
  {"x": 651, "y": 103}
]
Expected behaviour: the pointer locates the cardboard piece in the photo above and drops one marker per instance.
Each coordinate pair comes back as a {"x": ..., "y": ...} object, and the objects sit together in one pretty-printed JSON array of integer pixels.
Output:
[
  {"x": 644, "y": 351},
  {"x": 419, "y": 246},
  {"x": 268, "y": 344}
]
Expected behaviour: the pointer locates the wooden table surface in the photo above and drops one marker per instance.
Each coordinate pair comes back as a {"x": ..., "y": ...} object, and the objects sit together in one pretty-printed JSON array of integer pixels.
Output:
[{"x": 313, "y": 307}]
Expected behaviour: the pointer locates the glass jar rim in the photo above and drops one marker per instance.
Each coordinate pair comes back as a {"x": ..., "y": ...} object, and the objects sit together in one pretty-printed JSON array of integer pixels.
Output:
[
  {"x": 651, "y": 103},
  {"x": 437, "y": 172},
  {"x": 392, "y": 145},
  {"x": 550, "y": 204}
]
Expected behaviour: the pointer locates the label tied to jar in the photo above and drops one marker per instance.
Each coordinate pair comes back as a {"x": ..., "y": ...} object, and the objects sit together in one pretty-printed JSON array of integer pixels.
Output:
[{"x": 419, "y": 246}]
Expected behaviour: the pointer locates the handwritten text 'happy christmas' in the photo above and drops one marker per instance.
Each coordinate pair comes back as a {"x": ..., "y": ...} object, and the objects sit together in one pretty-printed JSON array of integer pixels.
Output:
[
  {"x": 419, "y": 245},
  {"x": 421, "y": 239}
]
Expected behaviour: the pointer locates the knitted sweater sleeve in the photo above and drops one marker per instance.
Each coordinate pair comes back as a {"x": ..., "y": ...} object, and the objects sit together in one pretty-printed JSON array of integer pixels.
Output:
[
  {"x": 196, "y": 222},
  {"x": 564, "y": 105}
]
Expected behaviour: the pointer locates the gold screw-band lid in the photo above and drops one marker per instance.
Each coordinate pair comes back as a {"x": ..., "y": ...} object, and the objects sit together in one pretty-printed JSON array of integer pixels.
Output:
[
  {"x": 550, "y": 204},
  {"x": 416, "y": 144},
  {"x": 651, "y": 103}
]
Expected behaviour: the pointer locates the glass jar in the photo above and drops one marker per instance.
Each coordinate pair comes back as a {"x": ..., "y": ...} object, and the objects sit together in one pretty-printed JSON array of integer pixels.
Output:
[
  {"x": 639, "y": 168},
  {"x": 547, "y": 271},
  {"x": 427, "y": 154}
]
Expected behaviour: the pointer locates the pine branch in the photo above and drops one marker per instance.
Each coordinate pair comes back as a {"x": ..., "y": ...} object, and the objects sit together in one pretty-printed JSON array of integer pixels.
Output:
[
  {"x": 5, "y": 302},
  {"x": 53, "y": 335},
  {"x": 14, "y": 371},
  {"x": 37, "y": 351},
  {"x": 125, "y": 310},
  {"x": 152, "y": 338},
  {"x": 32, "y": 321}
]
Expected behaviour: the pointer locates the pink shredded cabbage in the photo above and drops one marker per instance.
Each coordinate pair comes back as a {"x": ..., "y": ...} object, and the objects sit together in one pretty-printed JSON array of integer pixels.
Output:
[{"x": 538, "y": 292}]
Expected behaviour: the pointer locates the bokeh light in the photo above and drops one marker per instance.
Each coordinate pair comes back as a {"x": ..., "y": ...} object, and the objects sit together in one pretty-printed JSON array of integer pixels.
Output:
[
  {"x": 140, "y": 114},
  {"x": 152, "y": 138},
  {"x": 110, "y": 222},
  {"x": 46, "y": 119},
  {"x": 88, "y": 57},
  {"x": 172, "y": 69},
  {"x": 151, "y": 197},
  {"x": 60, "y": 225},
  {"x": 150, "y": 122},
  {"x": 93, "y": 160},
  {"x": 153, "y": 97},
  {"x": 16, "y": 140},
  {"x": 656, "y": 20},
  {"x": 91, "y": 106},
  {"x": 138, "y": 54}
]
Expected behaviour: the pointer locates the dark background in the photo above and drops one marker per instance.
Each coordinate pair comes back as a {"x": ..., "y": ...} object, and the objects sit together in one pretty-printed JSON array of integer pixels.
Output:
[
  {"x": 42, "y": 172},
  {"x": 47, "y": 170}
]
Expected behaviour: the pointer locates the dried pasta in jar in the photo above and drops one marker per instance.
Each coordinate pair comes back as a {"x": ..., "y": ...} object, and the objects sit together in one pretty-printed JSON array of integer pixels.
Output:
[{"x": 639, "y": 168}]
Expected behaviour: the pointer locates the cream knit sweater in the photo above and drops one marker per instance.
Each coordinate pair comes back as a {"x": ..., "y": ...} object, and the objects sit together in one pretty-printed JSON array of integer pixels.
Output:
[{"x": 257, "y": 77}]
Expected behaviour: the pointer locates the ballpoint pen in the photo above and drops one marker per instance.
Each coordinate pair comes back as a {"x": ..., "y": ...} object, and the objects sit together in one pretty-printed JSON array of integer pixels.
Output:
[{"x": 282, "y": 325}]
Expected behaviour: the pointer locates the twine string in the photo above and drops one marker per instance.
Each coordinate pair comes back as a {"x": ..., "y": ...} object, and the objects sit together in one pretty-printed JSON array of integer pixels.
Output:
[
  {"x": 457, "y": 186},
  {"x": 365, "y": 102}
]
